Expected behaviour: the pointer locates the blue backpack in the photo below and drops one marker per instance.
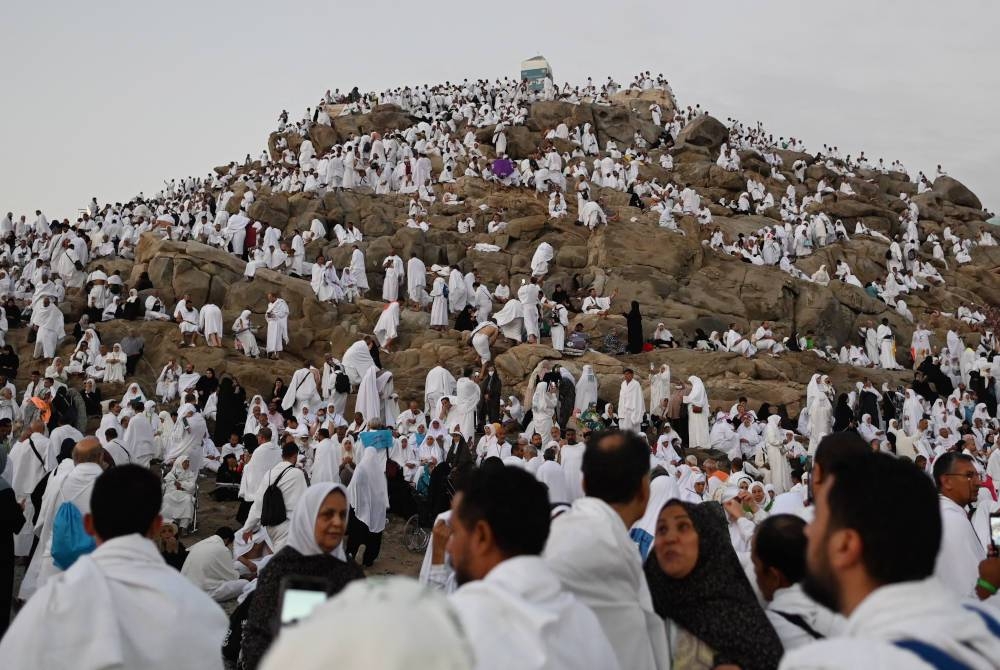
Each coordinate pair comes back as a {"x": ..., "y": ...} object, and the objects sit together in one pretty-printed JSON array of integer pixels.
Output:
[{"x": 69, "y": 539}]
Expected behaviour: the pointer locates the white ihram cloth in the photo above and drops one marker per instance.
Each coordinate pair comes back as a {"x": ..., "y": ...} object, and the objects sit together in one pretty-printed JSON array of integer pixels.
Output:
[
  {"x": 510, "y": 318},
  {"x": 277, "y": 325},
  {"x": 388, "y": 323},
  {"x": 540, "y": 260},
  {"x": 438, "y": 383},
  {"x": 368, "y": 491},
  {"x": 303, "y": 391},
  {"x": 631, "y": 406},
  {"x": 356, "y": 361},
  {"x": 519, "y": 616},
  {"x": 74, "y": 486},
  {"x": 586, "y": 389},
  {"x": 468, "y": 394},
  {"x": 416, "y": 281},
  {"x": 915, "y": 610},
  {"x": 139, "y": 613},
  {"x": 209, "y": 566},
  {"x": 960, "y": 552},
  {"x": 210, "y": 320},
  {"x": 698, "y": 434},
  {"x": 589, "y": 549}
]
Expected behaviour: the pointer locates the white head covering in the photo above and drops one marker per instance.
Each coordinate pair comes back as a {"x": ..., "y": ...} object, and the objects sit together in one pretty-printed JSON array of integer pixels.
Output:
[
  {"x": 302, "y": 533},
  {"x": 340, "y": 632}
]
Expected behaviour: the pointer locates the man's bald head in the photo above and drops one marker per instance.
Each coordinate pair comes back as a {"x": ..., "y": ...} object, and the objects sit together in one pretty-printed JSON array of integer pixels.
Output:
[{"x": 88, "y": 450}]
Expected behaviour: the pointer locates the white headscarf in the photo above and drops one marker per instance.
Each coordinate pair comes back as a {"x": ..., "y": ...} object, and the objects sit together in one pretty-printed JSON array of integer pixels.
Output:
[
  {"x": 586, "y": 388},
  {"x": 697, "y": 395},
  {"x": 302, "y": 532}
]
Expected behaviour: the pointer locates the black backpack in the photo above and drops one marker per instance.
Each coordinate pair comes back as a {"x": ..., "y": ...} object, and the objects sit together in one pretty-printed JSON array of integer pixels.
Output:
[
  {"x": 342, "y": 383},
  {"x": 272, "y": 505}
]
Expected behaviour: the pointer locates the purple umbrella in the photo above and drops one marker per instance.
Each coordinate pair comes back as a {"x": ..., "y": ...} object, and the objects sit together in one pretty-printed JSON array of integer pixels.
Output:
[{"x": 502, "y": 167}]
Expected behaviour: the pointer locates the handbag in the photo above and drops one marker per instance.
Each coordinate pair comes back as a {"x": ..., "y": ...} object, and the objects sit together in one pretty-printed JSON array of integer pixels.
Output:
[{"x": 696, "y": 409}]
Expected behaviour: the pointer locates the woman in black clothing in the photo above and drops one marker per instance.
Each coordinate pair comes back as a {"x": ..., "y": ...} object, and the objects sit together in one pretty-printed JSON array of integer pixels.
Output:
[
  {"x": 11, "y": 521},
  {"x": 206, "y": 386},
  {"x": 634, "y": 321},
  {"x": 9, "y": 362},
  {"x": 278, "y": 390},
  {"x": 228, "y": 473},
  {"x": 699, "y": 336},
  {"x": 843, "y": 415},
  {"x": 173, "y": 552},
  {"x": 144, "y": 282},
  {"x": 231, "y": 411},
  {"x": 92, "y": 398},
  {"x": 82, "y": 326},
  {"x": 695, "y": 580},
  {"x": 466, "y": 319},
  {"x": 315, "y": 549}
]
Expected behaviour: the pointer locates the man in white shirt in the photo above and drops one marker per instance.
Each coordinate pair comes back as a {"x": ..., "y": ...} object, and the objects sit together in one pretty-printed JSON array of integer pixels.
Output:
[
  {"x": 961, "y": 551},
  {"x": 291, "y": 481},
  {"x": 136, "y": 608},
  {"x": 589, "y": 548},
  {"x": 497, "y": 529},
  {"x": 408, "y": 420},
  {"x": 779, "y": 563},
  {"x": 871, "y": 554}
]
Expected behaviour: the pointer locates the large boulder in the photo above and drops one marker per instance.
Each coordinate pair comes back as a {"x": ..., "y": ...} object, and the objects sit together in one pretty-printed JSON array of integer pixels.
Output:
[
  {"x": 705, "y": 131},
  {"x": 955, "y": 192}
]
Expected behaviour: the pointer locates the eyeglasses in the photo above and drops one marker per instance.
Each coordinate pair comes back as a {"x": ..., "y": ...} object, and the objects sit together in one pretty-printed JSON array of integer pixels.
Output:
[{"x": 971, "y": 476}]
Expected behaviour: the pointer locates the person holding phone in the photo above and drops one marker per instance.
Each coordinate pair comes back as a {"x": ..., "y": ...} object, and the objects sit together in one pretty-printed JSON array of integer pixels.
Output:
[{"x": 315, "y": 550}]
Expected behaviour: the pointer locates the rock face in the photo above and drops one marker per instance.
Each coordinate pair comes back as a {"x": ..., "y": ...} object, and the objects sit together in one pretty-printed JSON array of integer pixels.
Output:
[{"x": 677, "y": 279}]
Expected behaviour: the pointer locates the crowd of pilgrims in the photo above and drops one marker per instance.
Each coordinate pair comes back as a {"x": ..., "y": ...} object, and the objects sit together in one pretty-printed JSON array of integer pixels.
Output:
[{"x": 473, "y": 462}]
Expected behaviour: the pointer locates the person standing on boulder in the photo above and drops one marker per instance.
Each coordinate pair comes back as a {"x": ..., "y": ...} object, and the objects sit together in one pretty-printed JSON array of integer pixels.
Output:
[{"x": 277, "y": 325}]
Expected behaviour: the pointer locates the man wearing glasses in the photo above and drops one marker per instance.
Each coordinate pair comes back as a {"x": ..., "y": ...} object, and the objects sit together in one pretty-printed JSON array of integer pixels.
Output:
[{"x": 961, "y": 550}]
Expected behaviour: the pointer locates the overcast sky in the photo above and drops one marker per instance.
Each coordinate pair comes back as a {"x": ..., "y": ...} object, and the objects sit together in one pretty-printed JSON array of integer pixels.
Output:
[{"x": 108, "y": 99}]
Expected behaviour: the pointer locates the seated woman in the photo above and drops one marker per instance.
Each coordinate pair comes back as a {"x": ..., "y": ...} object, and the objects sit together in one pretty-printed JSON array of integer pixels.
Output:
[
  {"x": 315, "y": 549},
  {"x": 57, "y": 371},
  {"x": 228, "y": 473},
  {"x": 9, "y": 362},
  {"x": 173, "y": 552},
  {"x": 115, "y": 364},
  {"x": 180, "y": 485},
  {"x": 700, "y": 589}
]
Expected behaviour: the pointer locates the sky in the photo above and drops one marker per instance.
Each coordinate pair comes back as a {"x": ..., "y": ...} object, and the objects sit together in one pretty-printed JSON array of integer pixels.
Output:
[{"x": 109, "y": 98}]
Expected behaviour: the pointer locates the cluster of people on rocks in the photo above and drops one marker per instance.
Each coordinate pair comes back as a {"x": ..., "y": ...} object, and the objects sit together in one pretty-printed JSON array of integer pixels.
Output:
[{"x": 564, "y": 527}]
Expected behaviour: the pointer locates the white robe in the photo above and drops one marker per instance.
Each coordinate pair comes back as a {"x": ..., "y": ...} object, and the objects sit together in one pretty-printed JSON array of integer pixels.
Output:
[
  {"x": 136, "y": 607},
  {"x": 416, "y": 281},
  {"x": 356, "y": 361},
  {"x": 387, "y": 324},
  {"x": 303, "y": 391},
  {"x": 590, "y": 550},
  {"x": 544, "y": 625},
  {"x": 210, "y": 320},
  {"x": 698, "y": 433},
  {"x": 631, "y": 406},
  {"x": 277, "y": 325}
]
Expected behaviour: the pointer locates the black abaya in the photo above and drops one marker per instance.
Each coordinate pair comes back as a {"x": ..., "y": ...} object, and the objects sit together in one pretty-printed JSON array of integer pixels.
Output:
[{"x": 634, "y": 321}]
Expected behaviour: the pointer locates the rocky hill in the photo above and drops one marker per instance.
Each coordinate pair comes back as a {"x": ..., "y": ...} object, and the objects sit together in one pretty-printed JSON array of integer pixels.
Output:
[{"x": 677, "y": 279}]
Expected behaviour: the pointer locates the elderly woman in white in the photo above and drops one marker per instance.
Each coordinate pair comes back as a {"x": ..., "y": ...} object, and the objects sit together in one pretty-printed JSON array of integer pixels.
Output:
[
  {"x": 178, "y": 494},
  {"x": 115, "y": 360}
]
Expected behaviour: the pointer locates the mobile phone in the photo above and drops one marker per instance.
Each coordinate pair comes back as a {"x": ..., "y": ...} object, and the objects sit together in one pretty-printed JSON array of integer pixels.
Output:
[
  {"x": 300, "y": 595},
  {"x": 995, "y": 529}
]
